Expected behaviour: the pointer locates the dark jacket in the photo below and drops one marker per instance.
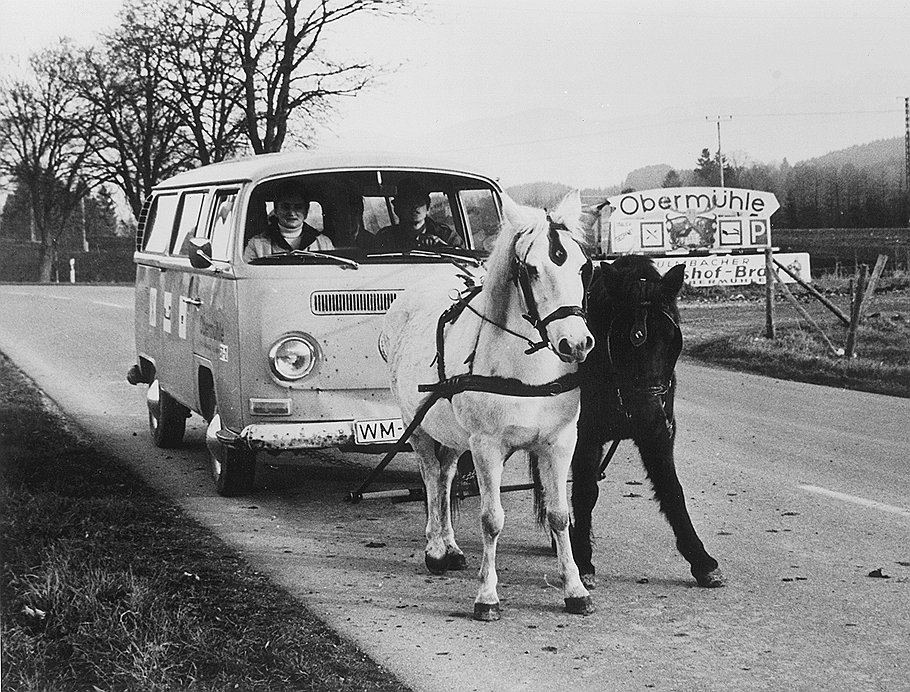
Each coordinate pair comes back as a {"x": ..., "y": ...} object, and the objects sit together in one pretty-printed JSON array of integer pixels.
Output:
[{"x": 398, "y": 237}]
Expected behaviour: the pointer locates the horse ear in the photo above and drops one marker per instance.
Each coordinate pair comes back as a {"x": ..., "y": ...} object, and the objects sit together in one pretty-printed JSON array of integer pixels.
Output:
[
  {"x": 672, "y": 281},
  {"x": 568, "y": 211},
  {"x": 516, "y": 215}
]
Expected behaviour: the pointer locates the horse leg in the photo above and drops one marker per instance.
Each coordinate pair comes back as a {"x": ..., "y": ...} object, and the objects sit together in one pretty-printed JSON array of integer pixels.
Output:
[
  {"x": 553, "y": 470},
  {"x": 448, "y": 460},
  {"x": 657, "y": 455},
  {"x": 585, "y": 491},
  {"x": 488, "y": 463},
  {"x": 437, "y": 472}
]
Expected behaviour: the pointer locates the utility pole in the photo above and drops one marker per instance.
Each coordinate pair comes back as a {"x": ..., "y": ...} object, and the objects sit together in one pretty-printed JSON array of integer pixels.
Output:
[
  {"x": 907, "y": 144},
  {"x": 720, "y": 158}
]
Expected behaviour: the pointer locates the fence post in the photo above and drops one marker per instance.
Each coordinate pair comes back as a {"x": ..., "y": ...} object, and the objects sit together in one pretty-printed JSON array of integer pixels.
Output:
[
  {"x": 873, "y": 284},
  {"x": 769, "y": 294},
  {"x": 856, "y": 304},
  {"x": 72, "y": 270}
]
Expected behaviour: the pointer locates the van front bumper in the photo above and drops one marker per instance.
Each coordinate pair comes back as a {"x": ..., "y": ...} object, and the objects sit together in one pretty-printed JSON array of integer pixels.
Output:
[{"x": 289, "y": 437}]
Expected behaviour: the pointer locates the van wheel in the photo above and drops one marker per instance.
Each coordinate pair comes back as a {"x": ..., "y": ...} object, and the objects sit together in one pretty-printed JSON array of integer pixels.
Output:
[
  {"x": 233, "y": 468},
  {"x": 167, "y": 417}
]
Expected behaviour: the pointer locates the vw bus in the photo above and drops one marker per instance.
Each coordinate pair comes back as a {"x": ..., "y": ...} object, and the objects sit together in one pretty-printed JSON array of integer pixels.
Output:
[{"x": 280, "y": 353}]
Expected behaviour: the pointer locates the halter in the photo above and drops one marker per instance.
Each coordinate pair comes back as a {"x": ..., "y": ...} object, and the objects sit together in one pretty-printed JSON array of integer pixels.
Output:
[
  {"x": 520, "y": 276},
  {"x": 643, "y": 298}
]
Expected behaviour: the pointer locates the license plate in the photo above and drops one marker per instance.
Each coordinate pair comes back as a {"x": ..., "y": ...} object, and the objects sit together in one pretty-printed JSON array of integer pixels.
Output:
[{"x": 382, "y": 430}]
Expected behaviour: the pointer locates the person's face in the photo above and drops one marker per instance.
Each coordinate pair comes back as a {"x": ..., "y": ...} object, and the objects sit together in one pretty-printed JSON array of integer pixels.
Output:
[
  {"x": 291, "y": 211},
  {"x": 411, "y": 213}
]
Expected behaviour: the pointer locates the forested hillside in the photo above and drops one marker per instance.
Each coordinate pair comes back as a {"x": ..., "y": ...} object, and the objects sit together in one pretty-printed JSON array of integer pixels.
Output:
[{"x": 863, "y": 186}]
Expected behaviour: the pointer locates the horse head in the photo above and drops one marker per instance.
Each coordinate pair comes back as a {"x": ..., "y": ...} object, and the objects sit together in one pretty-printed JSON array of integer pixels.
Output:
[
  {"x": 635, "y": 320},
  {"x": 552, "y": 271}
]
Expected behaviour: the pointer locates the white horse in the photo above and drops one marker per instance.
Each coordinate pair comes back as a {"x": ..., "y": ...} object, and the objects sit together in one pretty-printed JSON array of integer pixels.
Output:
[{"x": 533, "y": 293}]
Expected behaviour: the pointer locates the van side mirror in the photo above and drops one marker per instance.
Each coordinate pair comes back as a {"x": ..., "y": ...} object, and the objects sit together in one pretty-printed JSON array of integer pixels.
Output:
[{"x": 200, "y": 253}]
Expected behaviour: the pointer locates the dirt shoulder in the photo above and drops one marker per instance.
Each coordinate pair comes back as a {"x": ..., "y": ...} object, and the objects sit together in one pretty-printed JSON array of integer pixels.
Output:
[{"x": 106, "y": 584}]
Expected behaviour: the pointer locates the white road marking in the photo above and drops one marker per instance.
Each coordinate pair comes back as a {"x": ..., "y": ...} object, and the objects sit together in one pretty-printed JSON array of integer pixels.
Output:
[
  {"x": 111, "y": 305},
  {"x": 881, "y": 506}
]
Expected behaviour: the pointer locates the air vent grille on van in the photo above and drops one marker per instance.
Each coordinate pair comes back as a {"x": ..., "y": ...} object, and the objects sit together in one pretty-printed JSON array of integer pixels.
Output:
[{"x": 352, "y": 302}]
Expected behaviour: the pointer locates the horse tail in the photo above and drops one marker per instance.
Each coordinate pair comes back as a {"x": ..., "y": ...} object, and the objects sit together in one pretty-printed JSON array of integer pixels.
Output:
[{"x": 540, "y": 508}]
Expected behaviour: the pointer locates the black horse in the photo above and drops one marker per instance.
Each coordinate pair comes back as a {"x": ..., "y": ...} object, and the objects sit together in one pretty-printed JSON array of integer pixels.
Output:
[{"x": 628, "y": 386}]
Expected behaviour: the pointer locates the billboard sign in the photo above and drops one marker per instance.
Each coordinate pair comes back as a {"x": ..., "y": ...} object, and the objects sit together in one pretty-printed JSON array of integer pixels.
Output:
[{"x": 680, "y": 220}]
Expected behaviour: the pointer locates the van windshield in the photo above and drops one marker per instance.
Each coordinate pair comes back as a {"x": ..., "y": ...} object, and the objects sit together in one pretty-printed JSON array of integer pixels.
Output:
[{"x": 370, "y": 216}]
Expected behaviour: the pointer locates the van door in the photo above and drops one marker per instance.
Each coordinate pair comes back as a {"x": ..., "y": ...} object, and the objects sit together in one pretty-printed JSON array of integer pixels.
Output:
[
  {"x": 215, "y": 324},
  {"x": 179, "y": 295},
  {"x": 157, "y": 232}
]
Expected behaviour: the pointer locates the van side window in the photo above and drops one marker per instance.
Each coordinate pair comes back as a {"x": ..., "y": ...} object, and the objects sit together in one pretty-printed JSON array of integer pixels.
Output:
[
  {"x": 482, "y": 216},
  {"x": 190, "y": 212},
  {"x": 160, "y": 223},
  {"x": 219, "y": 233}
]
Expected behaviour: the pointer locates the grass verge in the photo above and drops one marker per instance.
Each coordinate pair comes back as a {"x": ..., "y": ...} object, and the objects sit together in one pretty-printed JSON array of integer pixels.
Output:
[
  {"x": 106, "y": 585},
  {"x": 729, "y": 332}
]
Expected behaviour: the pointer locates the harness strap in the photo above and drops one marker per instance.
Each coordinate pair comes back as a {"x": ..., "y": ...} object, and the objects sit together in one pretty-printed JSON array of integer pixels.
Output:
[
  {"x": 506, "y": 386},
  {"x": 452, "y": 313},
  {"x": 448, "y": 388}
]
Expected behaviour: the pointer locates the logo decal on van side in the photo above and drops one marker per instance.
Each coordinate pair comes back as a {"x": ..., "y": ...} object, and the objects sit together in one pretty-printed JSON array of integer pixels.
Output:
[
  {"x": 223, "y": 352},
  {"x": 181, "y": 319},
  {"x": 166, "y": 318},
  {"x": 153, "y": 307}
]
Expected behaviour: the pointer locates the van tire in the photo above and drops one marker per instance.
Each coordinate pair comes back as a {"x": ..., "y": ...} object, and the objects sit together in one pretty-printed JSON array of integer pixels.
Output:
[
  {"x": 233, "y": 468},
  {"x": 167, "y": 417}
]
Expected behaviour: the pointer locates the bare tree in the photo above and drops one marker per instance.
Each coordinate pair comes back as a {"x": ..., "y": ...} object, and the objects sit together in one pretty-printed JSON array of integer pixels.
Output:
[
  {"x": 45, "y": 140},
  {"x": 138, "y": 124},
  {"x": 198, "y": 71},
  {"x": 277, "y": 53}
]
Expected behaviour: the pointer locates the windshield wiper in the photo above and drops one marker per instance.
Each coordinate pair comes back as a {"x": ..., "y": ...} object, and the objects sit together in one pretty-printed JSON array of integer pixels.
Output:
[
  {"x": 344, "y": 261},
  {"x": 433, "y": 254}
]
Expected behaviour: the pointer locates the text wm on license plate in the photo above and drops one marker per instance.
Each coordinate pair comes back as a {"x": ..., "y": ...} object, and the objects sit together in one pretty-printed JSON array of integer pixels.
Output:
[{"x": 372, "y": 431}]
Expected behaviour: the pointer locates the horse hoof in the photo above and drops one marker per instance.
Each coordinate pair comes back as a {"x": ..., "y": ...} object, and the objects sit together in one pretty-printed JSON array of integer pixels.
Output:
[
  {"x": 486, "y": 612},
  {"x": 583, "y": 605},
  {"x": 710, "y": 580},
  {"x": 589, "y": 581},
  {"x": 436, "y": 565},
  {"x": 456, "y": 561}
]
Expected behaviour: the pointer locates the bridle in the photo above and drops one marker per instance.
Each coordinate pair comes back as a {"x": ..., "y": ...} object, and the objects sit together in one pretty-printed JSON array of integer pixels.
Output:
[
  {"x": 520, "y": 275},
  {"x": 644, "y": 299}
]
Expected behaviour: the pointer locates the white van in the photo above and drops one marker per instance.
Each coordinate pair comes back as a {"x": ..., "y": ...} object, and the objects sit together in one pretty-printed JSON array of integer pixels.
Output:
[{"x": 280, "y": 352}]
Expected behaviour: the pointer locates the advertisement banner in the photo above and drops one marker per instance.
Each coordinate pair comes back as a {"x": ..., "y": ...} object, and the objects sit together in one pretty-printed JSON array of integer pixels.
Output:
[
  {"x": 684, "y": 219},
  {"x": 736, "y": 270}
]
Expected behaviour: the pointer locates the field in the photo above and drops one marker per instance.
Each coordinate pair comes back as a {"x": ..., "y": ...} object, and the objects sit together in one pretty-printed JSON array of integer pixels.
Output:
[
  {"x": 840, "y": 250},
  {"x": 726, "y": 327}
]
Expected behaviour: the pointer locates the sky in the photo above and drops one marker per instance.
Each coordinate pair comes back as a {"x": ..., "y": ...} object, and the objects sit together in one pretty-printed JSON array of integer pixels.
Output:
[{"x": 582, "y": 92}]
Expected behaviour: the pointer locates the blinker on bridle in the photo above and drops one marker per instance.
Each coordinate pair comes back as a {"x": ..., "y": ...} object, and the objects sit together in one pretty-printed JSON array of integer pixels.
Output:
[{"x": 521, "y": 277}]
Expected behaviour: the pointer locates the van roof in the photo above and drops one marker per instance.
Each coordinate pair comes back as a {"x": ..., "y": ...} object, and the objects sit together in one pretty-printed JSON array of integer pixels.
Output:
[{"x": 255, "y": 168}]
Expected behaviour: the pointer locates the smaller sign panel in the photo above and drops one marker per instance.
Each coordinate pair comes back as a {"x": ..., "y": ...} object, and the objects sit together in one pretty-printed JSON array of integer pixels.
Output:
[
  {"x": 685, "y": 219},
  {"x": 736, "y": 270}
]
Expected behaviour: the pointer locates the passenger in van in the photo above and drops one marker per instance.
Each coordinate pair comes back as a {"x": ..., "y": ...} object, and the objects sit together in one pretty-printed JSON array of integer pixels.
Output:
[
  {"x": 415, "y": 228},
  {"x": 287, "y": 229}
]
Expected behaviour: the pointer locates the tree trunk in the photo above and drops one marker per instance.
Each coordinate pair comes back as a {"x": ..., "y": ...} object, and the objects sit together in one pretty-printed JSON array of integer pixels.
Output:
[{"x": 46, "y": 265}]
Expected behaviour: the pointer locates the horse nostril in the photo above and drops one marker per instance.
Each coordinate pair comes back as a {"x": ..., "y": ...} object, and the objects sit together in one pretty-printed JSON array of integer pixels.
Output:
[
  {"x": 564, "y": 347},
  {"x": 589, "y": 343}
]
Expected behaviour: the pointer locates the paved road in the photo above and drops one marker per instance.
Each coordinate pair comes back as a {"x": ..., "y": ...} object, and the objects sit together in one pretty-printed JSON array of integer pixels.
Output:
[{"x": 800, "y": 491}]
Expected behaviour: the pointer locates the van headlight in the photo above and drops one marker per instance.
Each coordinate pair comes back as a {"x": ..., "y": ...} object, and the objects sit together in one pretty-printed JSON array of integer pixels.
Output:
[{"x": 292, "y": 357}]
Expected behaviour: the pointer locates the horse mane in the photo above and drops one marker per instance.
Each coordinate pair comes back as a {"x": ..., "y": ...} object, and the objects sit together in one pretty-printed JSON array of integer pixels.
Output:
[{"x": 519, "y": 221}]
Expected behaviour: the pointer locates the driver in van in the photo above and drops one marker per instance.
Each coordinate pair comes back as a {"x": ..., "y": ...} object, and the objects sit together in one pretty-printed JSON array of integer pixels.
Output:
[
  {"x": 287, "y": 229},
  {"x": 415, "y": 227}
]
